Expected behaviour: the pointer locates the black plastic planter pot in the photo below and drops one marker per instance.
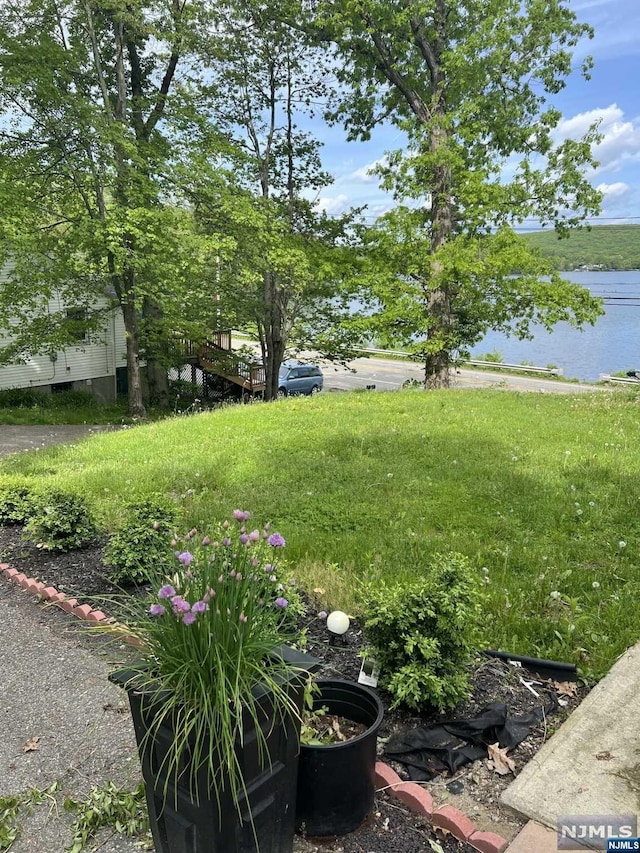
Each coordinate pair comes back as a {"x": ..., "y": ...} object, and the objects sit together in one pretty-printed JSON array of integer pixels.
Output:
[
  {"x": 179, "y": 824},
  {"x": 336, "y": 782}
]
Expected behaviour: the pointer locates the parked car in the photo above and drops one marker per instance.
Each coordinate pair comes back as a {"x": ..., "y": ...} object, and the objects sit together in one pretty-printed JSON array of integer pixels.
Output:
[{"x": 296, "y": 378}]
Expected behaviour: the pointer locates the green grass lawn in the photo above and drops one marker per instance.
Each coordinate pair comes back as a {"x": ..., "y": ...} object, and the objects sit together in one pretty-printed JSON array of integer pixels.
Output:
[{"x": 542, "y": 492}]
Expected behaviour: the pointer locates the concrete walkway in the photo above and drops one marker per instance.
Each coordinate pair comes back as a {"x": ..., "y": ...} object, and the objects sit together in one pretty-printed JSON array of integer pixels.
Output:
[
  {"x": 55, "y": 697},
  {"x": 591, "y": 765}
]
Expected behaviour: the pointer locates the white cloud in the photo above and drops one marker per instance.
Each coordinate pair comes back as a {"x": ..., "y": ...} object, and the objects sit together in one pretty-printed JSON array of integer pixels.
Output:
[
  {"x": 332, "y": 204},
  {"x": 364, "y": 173},
  {"x": 620, "y": 143},
  {"x": 611, "y": 191}
]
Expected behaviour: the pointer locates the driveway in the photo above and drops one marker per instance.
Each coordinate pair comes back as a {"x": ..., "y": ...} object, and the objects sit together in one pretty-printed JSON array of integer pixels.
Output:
[{"x": 16, "y": 438}]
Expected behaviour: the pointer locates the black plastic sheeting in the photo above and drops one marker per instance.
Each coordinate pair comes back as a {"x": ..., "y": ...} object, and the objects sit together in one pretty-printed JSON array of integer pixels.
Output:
[{"x": 428, "y": 752}]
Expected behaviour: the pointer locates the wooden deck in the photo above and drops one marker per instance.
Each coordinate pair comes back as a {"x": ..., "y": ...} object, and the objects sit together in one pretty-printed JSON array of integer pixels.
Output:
[{"x": 216, "y": 356}]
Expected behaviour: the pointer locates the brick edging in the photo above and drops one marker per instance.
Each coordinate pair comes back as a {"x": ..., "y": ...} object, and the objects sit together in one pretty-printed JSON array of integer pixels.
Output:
[
  {"x": 418, "y": 800},
  {"x": 50, "y": 595}
]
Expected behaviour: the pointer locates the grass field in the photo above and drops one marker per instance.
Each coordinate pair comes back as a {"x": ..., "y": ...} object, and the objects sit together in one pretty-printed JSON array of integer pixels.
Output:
[{"x": 541, "y": 492}]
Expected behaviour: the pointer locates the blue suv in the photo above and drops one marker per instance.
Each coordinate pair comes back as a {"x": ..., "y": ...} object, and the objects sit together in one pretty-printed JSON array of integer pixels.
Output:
[{"x": 296, "y": 378}]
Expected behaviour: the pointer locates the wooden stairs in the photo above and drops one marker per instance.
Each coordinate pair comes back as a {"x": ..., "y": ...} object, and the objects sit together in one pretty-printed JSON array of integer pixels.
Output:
[{"x": 215, "y": 356}]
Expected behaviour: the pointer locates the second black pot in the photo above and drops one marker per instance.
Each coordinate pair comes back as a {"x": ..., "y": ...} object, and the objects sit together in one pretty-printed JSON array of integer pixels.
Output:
[{"x": 336, "y": 782}]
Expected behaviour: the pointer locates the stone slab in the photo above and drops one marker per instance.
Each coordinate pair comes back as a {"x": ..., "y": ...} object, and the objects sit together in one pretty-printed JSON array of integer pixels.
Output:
[
  {"x": 534, "y": 838},
  {"x": 591, "y": 765}
]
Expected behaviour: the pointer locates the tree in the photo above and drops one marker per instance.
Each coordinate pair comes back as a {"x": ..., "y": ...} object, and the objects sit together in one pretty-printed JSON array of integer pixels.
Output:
[
  {"x": 469, "y": 83},
  {"x": 285, "y": 277},
  {"x": 89, "y": 130}
]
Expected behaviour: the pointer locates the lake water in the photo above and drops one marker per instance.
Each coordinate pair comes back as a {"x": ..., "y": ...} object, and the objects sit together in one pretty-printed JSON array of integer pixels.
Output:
[{"x": 613, "y": 344}]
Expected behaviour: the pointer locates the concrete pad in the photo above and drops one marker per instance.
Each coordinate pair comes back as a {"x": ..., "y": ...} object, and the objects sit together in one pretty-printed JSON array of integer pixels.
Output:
[{"x": 591, "y": 765}]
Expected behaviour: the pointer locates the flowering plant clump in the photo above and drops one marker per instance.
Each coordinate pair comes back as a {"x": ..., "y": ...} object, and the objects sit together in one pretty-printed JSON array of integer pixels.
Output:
[
  {"x": 208, "y": 635},
  {"x": 229, "y": 588}
]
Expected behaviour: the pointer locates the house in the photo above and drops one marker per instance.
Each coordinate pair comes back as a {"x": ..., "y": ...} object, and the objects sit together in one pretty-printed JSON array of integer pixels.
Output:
[{"x": 96, "y": 366}]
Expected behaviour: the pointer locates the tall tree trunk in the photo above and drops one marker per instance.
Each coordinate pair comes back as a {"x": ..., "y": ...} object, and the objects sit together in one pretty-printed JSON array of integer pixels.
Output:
[
  {"x": 273, "y": 345},
  {"x": 136, "y": 405},
  {"x": 154, "y": 343},
  {"x": 437, "y": 362},
  {"x": 437, "y": 373}
]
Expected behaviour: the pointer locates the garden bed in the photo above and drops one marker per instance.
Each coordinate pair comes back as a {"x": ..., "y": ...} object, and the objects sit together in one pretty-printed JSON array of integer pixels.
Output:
[{"x": 475, "y": 789}]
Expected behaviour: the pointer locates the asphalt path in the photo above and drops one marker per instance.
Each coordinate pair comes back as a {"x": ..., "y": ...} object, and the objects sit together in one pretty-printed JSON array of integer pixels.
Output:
[{"x": 391, "y": 374}]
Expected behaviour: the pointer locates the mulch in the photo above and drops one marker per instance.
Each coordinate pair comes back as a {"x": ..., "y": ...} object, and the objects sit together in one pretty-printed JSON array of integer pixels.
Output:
[{"x": 390, "y": 828}]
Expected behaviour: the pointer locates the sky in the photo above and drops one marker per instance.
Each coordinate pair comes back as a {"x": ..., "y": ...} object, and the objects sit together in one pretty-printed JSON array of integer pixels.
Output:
[{"x": 612, "y": 96}]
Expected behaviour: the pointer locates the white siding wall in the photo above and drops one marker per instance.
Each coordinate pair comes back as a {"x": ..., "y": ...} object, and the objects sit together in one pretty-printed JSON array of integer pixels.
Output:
[{"x": 86, "y": 361}]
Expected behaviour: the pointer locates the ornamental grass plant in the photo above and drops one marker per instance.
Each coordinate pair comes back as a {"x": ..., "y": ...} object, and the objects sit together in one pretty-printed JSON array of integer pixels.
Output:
[{"x": 209, "y": 634}]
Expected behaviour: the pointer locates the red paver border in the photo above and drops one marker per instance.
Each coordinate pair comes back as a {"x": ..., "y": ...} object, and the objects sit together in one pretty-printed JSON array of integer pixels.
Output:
[
  {"x": 416, "y": 798},
  {"x": 49, "y": 595}
]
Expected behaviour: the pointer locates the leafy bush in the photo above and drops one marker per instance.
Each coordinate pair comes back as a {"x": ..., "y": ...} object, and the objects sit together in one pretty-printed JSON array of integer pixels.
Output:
[
  {"x": 425, "y": 632},
  {"x": 60, "y": 521},
  {"x": 27, "y": 398},
  {"x": 11, "y": 398},
  {"x": 142, "y": 545},
  {"x": 15, "y": 500}
]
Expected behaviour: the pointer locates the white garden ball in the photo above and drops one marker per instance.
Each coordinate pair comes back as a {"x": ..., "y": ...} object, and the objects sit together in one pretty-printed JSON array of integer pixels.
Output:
[{"x": 337, "y": 622}]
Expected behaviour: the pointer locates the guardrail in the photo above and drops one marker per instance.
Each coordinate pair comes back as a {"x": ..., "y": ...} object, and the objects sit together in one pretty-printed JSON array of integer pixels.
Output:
[
  {"x": 624, "y": 380},
  {"x": 494, "y": 365}
]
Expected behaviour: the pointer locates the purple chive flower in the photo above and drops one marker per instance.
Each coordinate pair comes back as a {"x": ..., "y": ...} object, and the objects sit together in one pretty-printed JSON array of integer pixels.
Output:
[
  {"x": 268, "y": 567},
  {"x": 241, "y": 515},
  {"x": 281, "y": 602},
  {"x": 243, "y": 539},
  {"x": 243, "y": 618},
  {"x": 185, "y": 558},
  {"x": 254, "y": 535},
  {"x": 189, "y": 618},
  {"x": 157, "y": 610},
  {"x": 277, "y": 541},
  {"x": 322, "y": 614},
  {"x": 200, "y": 607},
  {"x": 180, "y": 605},
  {"x": 226, "y": 541},
  {"x": 166, "y": 591}
]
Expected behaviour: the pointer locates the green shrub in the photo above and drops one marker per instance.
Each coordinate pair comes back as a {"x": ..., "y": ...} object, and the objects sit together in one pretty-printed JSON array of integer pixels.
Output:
[
  {"x": 142, "y": 545},
  {"x": 15, "y": 500},
  {"x": 425, "y": 632},
  {"x": 495, "y": 357},
  {"x": 26, "y": 398},
  {"x": 60, "y": 521}
]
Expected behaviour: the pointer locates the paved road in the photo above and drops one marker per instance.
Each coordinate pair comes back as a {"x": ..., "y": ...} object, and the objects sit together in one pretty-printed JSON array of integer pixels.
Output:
[{"x": 390, "y": 374}]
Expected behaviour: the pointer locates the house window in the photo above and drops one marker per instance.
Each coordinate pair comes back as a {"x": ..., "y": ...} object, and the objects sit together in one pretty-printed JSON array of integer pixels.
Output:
[{"x": 77, "y": 318}]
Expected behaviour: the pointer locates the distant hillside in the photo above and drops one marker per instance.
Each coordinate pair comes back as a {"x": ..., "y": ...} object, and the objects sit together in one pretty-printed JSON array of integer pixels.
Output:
[{"x": 608, "y": 247}]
